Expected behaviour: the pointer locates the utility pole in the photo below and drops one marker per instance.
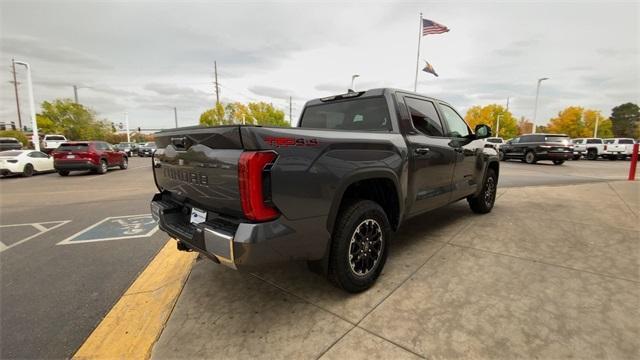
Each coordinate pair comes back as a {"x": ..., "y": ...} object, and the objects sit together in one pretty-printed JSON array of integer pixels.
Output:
[
  {"x": 507, "y": 103},
  {"x": 34, "y": 125},
  {"x": 175, "y": 115},
  {"x": 15, "y": 88},
  {"x": 215, "y": 70},
  {"x": 290, "y": 111},
  {"x": 75, "y": 93}
]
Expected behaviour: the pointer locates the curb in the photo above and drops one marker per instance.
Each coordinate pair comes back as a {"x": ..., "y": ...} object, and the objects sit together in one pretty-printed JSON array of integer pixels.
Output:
[{"x": 135, "y": 322}]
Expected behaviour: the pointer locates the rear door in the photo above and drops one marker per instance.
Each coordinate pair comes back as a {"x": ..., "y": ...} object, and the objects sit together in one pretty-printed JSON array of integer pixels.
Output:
[
  {"x": 431, "y": 158},
  {"x": 464, "y": 180}
]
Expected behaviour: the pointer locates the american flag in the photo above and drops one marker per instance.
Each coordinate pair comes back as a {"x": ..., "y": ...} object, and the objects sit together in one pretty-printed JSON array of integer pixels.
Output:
[{"x": 432, "y": 27}]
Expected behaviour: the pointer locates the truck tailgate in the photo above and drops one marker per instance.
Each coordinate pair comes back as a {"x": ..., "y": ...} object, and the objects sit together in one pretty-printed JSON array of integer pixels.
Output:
[{"x": 201, "y": 165}]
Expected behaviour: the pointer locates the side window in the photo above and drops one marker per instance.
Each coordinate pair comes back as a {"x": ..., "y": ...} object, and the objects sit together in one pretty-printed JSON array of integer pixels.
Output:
[
  {"x": 37, "y": 154},
  {"x": 515, "y": 141},
  {"x": 424, "y": 117},
  {"x": 457, "y": 126},
  {"x": 526, "y": 139}
]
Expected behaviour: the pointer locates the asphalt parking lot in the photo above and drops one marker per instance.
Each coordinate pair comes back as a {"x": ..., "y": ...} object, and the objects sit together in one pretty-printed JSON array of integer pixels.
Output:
[{"x": 72, "y": 246}]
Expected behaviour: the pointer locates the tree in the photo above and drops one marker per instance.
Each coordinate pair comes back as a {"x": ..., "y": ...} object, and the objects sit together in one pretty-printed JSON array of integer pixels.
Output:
[
  {"x": 73, "y": 120},
  {"x": 488, "y": 115},
  {"x": 576, "y": 122},
  {"x": 625, "y": 120},
  {"x": 214, "y": 116},
  {"x": 259, "y": 113}
]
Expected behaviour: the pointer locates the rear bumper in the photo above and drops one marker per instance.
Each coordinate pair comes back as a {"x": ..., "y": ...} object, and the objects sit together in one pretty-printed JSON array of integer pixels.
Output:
[
  {"x": 75, "y": 165},
  {"x": 239, "y": 244}
]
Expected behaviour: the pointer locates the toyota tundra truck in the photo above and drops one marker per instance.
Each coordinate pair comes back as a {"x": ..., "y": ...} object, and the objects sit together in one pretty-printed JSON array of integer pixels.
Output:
[{"x": 330, "y": 191}]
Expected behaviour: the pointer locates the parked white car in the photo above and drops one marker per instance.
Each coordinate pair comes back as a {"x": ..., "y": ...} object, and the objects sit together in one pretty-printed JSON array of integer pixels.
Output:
[
  {"x": 618, "y": 148},
  {"x": 51, "y": 142},
  {"x": 24, "y": 162},
  {"x": 591, "y": 148},
  {"x": 495, "y": 142}
]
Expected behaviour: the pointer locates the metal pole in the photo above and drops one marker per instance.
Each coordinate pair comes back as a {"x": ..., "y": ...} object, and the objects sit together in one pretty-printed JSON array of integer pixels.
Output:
[
  {"x": 498, "y": 125},
  {"x": 415, "y": 82},
  {"x": 595, "y": 130},
  {"x": 15, "y": 88},
  {"x": 507, "y": 103},
  {"x": 126, "y": 122},
  {"x": 290, "y": 111},
  {"x": 175, "y": 115},
  {"x": 75, "y": 93},
  {"x": 535, "y": 107},
  {"x": 353, "y": 79},
  {"x": 34, "y": 125}
]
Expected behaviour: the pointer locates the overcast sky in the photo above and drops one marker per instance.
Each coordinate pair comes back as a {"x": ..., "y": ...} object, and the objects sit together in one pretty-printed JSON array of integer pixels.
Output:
[{"x": 145, "y": 58}]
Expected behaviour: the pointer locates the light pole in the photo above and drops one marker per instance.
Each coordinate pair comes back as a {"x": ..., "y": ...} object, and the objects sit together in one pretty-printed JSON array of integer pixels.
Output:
[
  {"x": 175, "y": 115},
  {"x": 498, "y": 125},
  {"x": 353, "y": 79},
  {"x": 126, "y": 124},
  {"x": 34, "y": 125},
  {"x": 535, "y": 107}
]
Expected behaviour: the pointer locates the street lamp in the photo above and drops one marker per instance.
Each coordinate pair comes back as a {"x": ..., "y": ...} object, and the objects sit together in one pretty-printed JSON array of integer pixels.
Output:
[
  {"x": 353, "y": 79},
  {"x": 34, "y": 125},
  {"x": 535, "y": 108}
]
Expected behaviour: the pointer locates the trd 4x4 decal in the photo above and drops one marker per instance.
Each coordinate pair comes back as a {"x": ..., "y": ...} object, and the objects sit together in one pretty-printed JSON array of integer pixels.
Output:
[{"x": 290, "y": 141}]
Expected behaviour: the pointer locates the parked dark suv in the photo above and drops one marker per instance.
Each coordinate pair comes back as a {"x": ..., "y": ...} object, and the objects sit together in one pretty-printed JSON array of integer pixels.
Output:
[
  {"x": 535, "y": 147},
  {"x": 97, "y": 156}
]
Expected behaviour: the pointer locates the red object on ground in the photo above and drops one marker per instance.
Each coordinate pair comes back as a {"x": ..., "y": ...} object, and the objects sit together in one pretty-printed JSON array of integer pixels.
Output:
[{"x": 634, "y": 162}]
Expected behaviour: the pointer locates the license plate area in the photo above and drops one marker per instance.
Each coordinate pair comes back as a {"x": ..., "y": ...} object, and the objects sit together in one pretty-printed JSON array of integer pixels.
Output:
[
  {"x": 198, "y": 216},
  {"x": 71, "y": 156}
]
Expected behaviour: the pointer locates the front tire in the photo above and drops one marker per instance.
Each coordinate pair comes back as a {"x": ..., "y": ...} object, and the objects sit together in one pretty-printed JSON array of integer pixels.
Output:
[
  {"x": 125, "y": 163},
  {"x": 530, "y": 157},
  {"x": 28, "y": 170},
  {"x": 483, "y": 202},
  {"x": 558, "y": 162},
  {"x": 359, "y": 246},
  {"x": 103, "y": 167}
]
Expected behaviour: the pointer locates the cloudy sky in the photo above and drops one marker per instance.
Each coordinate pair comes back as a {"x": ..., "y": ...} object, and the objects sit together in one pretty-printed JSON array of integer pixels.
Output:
[{"x": 145, "y": 58}]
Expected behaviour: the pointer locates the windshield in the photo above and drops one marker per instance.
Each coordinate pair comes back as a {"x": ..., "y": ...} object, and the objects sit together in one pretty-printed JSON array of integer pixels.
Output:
[
  {"x": 368, "y": 114},
  {"x": 10, "y": 153},
  {"x": 73, "y": 147},
  {"x": 558, "y": 139}
]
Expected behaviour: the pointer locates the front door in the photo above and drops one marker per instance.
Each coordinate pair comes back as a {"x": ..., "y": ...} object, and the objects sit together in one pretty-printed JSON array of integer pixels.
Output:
[
  {"x": 430, "y": 157},
  {"x": 464, "y": 181}
]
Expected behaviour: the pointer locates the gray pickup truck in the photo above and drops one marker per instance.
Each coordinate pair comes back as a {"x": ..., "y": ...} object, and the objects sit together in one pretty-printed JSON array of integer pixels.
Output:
[{"x": 330, "y": 191}]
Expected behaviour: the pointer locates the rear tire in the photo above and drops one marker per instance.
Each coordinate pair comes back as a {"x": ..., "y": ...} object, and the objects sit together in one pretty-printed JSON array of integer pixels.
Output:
[
  {"x": 63, "y": 172},
  {"x": 530, "y": 157},
  {"x": 359, "y": 246},
  {"x": 501, "y": 156},
  {"x": 125, "y": 163},
  {"x": 28, "y": 170},
  {"x": 483, "y": 202},
  {"x": 103, "y": 167},
  {"x": 558, "y": 162}
]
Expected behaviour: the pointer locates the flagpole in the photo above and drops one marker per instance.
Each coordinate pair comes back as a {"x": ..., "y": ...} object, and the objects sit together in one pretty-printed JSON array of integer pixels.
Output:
[{"x": 415, "y": 82}]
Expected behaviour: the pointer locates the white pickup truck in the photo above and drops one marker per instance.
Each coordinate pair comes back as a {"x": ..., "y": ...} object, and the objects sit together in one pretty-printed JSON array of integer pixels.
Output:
[
  {"x": 51, "y": 142},
  {"x": 591, "y": 148},
  {"x": 618, "y": 148}
]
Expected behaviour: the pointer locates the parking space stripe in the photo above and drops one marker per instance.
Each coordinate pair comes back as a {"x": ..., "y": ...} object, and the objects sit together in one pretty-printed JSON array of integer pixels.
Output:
[
  {"x": 135, "y": 322},
  {"x": 38, "y": 226}
]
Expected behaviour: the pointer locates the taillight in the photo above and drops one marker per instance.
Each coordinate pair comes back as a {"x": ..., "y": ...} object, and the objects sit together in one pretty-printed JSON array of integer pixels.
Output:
[{"x": 251, "y": 171}]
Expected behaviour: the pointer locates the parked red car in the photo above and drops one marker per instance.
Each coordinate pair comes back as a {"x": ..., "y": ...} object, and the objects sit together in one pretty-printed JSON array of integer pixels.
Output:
[{"x": 97, "y": 156}]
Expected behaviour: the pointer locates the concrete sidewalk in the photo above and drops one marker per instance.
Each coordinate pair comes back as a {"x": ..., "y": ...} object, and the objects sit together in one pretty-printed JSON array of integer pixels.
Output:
[{"x": 552, "y": 272}]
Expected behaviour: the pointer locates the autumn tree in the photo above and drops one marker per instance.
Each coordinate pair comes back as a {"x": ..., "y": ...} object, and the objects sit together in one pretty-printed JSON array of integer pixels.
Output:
[
  {"x": 215, "y": 116},
  {"x": 625, "y": 120},
  {"x": 489, "y": 115},
  {"x": 576, "y": 122},
  {"x": 259, "y": 113},
  {"x": 74, "y": 121}
]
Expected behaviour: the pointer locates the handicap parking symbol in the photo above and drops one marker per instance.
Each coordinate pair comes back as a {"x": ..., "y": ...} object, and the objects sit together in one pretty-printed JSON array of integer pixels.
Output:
[{"x": 115, "y": 228}]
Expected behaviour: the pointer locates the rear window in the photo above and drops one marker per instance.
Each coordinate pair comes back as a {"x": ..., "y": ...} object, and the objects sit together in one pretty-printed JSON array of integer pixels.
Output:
[
  {"x": 609, "y": 141},
  {"x": 594, "y": 141},
  {"x": 55, "y": 138},
  {"x": 625, "y": 141},
  {"x": 558, "y": 139},
  {"x": 368, "y": 114},
  {"x": 9, "y": 141},
  {"x": 10, "y": 153},
  {"x": 73, "y": 147}
]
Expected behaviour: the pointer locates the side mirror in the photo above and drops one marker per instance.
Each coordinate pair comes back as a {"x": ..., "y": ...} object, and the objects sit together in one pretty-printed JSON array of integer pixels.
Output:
[{"x": 482, "y": 131}]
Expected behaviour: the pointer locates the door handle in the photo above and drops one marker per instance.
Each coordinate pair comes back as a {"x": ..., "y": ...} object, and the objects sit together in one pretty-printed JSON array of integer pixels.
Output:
[{"x": 421, "y": 151}]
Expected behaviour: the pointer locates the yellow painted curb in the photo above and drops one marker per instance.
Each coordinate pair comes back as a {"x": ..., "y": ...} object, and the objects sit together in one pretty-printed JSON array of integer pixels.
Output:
[{"x": 134, "y": 324}]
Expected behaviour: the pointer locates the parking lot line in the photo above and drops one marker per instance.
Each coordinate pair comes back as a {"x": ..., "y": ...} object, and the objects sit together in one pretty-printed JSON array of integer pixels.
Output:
[
  {"x": 38, "y": 226},
  {"x": 135, "y": 322}
]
